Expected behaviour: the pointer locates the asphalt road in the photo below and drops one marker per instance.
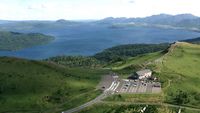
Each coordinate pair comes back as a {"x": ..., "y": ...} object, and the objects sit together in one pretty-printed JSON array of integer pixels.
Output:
[
  {"x": 96, "y": 100},
  {"x": 102, "y": 96}
]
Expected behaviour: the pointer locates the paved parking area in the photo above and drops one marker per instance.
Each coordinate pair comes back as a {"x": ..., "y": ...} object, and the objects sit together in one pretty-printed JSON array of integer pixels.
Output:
[{"x": 133, "y": 86}]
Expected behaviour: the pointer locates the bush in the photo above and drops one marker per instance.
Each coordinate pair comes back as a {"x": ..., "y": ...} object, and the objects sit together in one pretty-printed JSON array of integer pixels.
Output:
[{"x": 181, "y": 97}]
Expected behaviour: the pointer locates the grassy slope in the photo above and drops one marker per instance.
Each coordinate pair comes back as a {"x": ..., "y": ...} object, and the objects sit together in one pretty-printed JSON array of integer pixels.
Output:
[
  {"x": 120, "y": 108},
  {"x": 117, "y": 108},
  {"x": 138, "y": 60},
  {"x": 181, "y": 66},
  {"x": 24, "y": 86},
  {"x": 126, "y": 67}
]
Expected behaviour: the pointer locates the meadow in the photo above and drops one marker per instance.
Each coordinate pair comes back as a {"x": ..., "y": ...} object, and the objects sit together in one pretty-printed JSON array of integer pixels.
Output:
[
  {"x": 33, "y": 86},
  {"x": 177, "y": 70},
  {"x": 181, "y": 68}
]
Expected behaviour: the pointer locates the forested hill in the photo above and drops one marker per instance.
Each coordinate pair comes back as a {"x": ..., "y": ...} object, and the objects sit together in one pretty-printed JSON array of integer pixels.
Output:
[
  {"x": 123, "y": 51},
  {"x": 76, "y": 61},
  {"x": 15, "y": 41},
  {"x": 109, "y": 55},
  {"x": 114, "y": 54}
]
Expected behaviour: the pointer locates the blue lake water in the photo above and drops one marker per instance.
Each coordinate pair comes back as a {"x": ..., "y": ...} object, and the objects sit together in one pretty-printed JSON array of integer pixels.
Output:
[{"x": 88, "y": 40}]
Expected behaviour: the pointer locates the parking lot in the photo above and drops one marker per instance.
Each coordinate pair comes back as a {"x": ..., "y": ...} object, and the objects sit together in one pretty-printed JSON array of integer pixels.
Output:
[
  {"x": 133, "y": 86},
  {"x": 137, "y": 86}
]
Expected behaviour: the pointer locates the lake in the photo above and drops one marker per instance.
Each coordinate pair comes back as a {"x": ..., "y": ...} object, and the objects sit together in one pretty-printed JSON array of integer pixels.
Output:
[{"x": 90, "y": 39}]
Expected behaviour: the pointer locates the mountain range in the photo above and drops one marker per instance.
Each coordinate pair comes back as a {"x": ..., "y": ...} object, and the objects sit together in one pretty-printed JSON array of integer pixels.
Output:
[
  {"x": 180, "y": 21},
  {"x": 184, "y": 21}
]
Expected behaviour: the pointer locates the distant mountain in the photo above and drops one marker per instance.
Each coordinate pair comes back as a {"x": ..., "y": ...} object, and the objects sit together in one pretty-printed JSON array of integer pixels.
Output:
[
  {"x": 193, "y": 41},
  {"x": 63, "y": 21},
  {"x": 167, "y": 19},
  {"x": 187, "y": 21},
  {"x": 115, "y": 20},
  {"x": 192, "y": 23},
  {"x": 37, "y": 26},
  {"x": 172, "y": 20},
  {"x": 161, "y": 18},
  {"x": 181, "y": 21}
]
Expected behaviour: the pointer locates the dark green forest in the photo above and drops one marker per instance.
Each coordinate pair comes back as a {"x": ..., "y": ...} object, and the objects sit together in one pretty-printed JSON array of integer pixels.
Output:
[
  {"x": 76, "y": 61},
  {"x": 110, "y": 55},
  {"x": 122, "y": 52}
]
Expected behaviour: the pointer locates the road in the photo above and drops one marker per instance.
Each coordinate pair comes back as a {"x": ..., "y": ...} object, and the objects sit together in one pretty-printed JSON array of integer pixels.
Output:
[
  {"x": 105, "y": 94},
  {"x": 96, "y": 100}
]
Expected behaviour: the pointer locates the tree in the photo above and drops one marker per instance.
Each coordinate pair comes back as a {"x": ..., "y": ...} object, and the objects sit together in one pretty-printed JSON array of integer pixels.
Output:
[{"x": 181, "y": 98}]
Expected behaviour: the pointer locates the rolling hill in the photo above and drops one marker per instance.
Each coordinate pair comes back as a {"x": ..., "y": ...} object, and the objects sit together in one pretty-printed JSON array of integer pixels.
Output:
[
  {"x": 178, "y": 71},
  {"x": 35, "y": 86},
  {"x": 39, "y": 86},
  {"x": 180, "y": 66}
]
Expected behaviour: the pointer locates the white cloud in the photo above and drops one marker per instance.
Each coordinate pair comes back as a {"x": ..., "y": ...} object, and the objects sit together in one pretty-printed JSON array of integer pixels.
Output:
[{"x": 92, "y": 9}]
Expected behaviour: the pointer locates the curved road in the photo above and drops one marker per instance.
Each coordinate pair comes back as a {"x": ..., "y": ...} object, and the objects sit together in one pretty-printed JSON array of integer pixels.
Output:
[
  {"x": 104, "y": 95},
  {"x": 96, "y": 100}
]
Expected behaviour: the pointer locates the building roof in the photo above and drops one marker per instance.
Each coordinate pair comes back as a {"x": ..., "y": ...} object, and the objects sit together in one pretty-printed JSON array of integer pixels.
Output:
[{"x": 142, "y": 72}]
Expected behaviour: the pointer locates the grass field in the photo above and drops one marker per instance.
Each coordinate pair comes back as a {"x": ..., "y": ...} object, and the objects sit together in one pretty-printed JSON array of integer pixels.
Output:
[
  {"x": 181, "y": 67},
  {"x": 138, "y": 60},
  {"x": 32, "y": 86},
  {"x": 149, "y": 98},
  {"x": 131, "y": 65},
  {"x": 131, "y": 108},
  {"x": 178, "y": 71}
]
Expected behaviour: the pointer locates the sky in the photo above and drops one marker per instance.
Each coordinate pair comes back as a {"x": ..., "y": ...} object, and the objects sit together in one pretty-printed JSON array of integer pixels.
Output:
[{"x": 92, "y": 9}]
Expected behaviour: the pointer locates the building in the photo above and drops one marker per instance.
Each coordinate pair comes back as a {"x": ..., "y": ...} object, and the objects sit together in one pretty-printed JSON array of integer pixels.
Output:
[{"x": 144, "y": 73}]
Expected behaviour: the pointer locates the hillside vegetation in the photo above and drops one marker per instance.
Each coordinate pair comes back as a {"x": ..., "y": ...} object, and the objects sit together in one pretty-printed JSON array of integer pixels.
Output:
[
  {"x": 115, "y": 57},
  {"x": 122, "y": 52},
  {"x": 16, "y": 41},
  {"x": 178, "y": 71},
  {"x": 33, "y": 86},
  {"x": 180, "y": 66},
  {"x": 76, "y": 61}
]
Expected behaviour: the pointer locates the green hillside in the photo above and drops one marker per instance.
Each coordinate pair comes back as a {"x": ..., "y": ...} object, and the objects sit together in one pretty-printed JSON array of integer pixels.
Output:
[
  {"x": 138, "y": 60},
  {"x": 132, "y": 108},
  {"x": 177, "y": 70},
  {"x": 37, "y": 86},
  {"x": 33, "y": 86},
  {"x": 180, "y": 67},
  {"x": 122, "y": 52},
  {"x": 16, "y": 41},
  {"x": 76, "y": 61}
]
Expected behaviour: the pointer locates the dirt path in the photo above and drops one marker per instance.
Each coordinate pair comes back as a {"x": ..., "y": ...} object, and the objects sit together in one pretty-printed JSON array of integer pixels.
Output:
[{"x": 169, "y": 83}]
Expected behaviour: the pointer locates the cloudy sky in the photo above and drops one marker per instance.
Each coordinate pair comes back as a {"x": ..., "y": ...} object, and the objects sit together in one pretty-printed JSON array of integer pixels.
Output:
[{"x": 92, "y": 9}]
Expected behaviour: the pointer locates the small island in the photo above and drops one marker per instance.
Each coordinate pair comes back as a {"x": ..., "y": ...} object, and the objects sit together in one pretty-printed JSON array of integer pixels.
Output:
[{"x": 12, "y": 41}]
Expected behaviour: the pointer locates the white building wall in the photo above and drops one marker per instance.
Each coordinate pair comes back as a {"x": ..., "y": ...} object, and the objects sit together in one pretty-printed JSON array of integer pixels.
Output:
[{"x": 146, "y": 75}]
